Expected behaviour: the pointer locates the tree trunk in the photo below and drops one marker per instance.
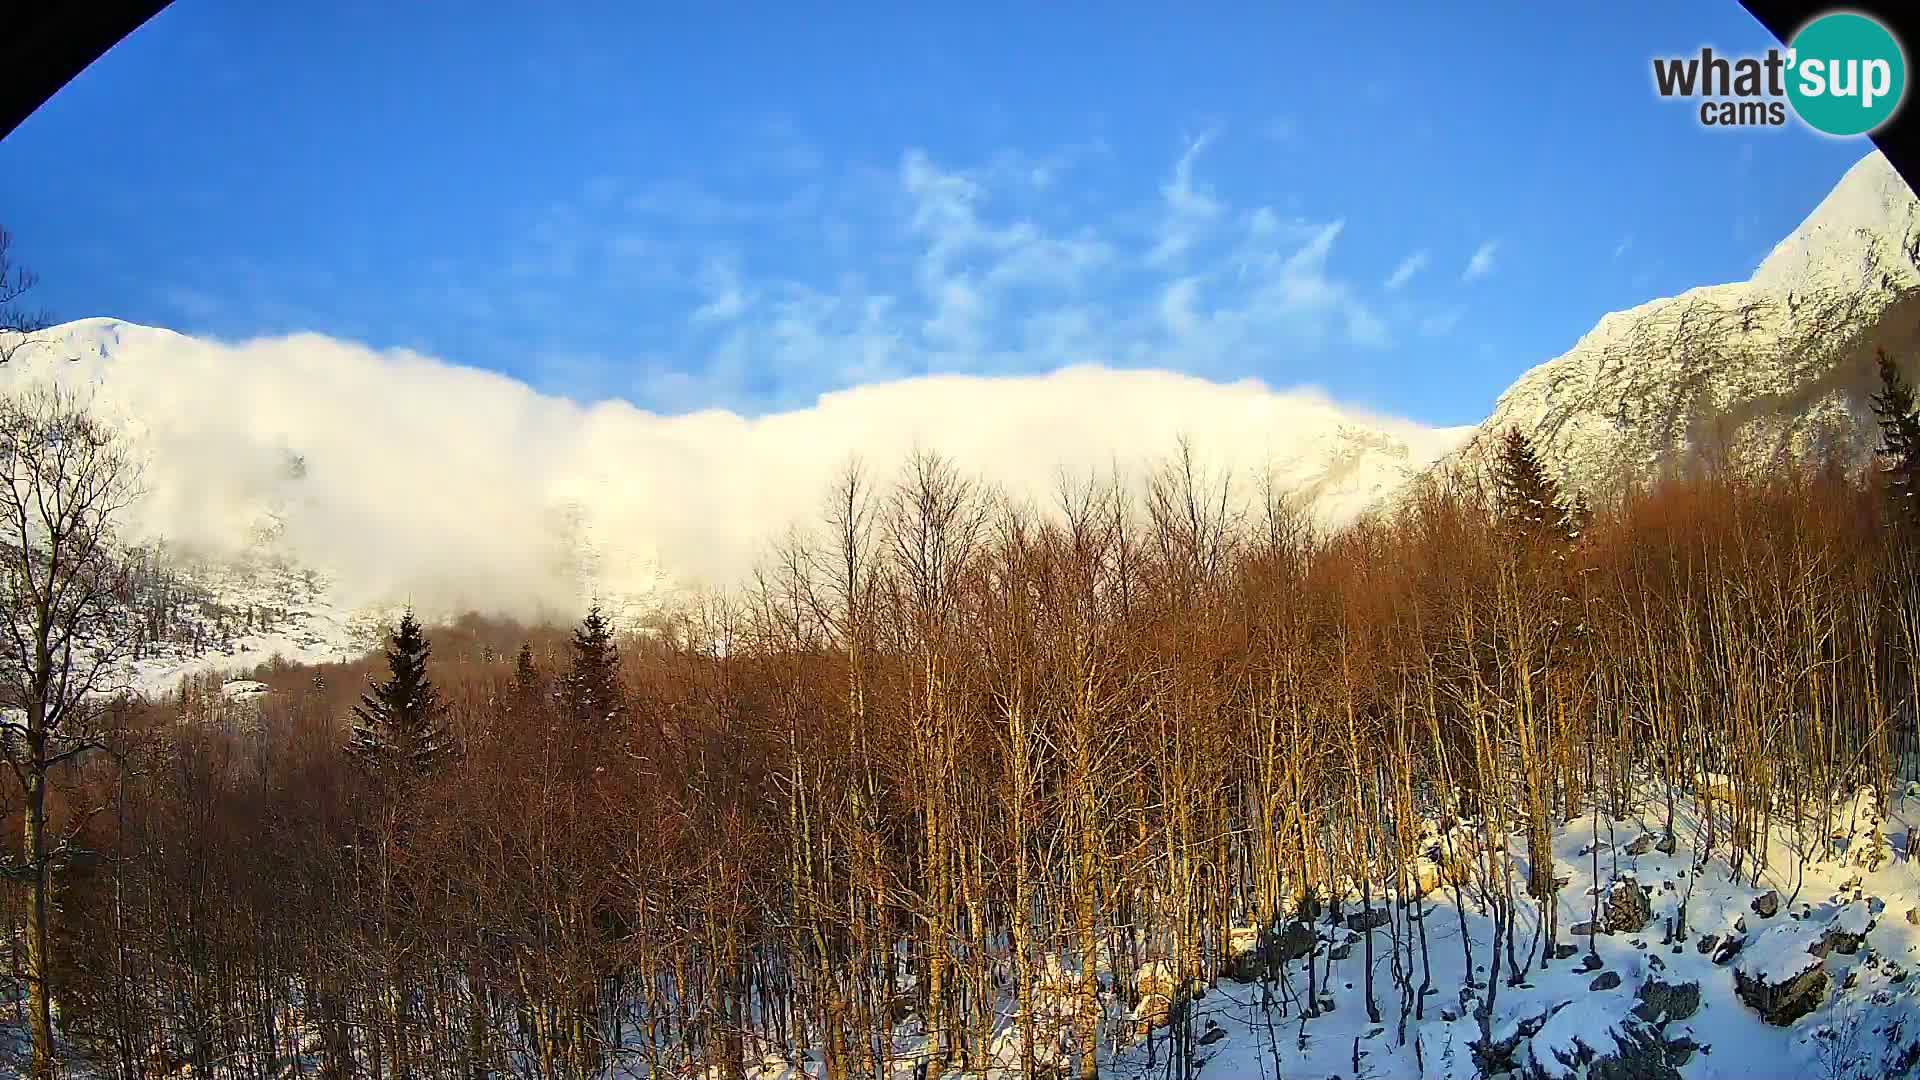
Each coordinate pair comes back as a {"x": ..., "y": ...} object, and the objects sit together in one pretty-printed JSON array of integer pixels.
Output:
[{"x": 39, "y": 912}]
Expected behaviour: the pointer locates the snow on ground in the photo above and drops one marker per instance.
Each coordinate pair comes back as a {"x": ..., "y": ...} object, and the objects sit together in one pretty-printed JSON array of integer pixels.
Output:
[
  {"x": 1781, "y": 953},
  {"x": 307, "y": 625},
  {"x": 1640, "y": 999},
  {"x": 1868, "y": 1016}
]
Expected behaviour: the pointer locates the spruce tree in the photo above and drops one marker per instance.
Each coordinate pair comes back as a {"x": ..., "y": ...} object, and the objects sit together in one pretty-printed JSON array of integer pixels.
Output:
[
  {"x": 1579, "y": 515},
  {"x": 1899, "y": 449},
  {"x": 397, "y": 729},
  {"x": 592, "y": 689},
  {"x": 526, "y": 677},
  {"x": 1527, "y": 500}
]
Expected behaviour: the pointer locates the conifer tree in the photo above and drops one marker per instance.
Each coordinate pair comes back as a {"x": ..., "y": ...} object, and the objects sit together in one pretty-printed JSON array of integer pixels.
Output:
[
  {"x": 1899, "y": 449},
  {"x": 1579, "y": 515},
  {"x": 592, "y": 689},
  {"x": 397, "y": 729},
  {"x": 526, "y": 677},
  {"x": 1527, "y": 500}
]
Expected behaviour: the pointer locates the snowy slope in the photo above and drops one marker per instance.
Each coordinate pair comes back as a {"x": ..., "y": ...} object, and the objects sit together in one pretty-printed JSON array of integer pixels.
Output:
[
  {"x": 1864, "y": 1023},
  {"x": 241, "y": 614},
  {"x": 1660, "y": 1001},
  {"x": 1772, "y": 370},
  {"x": 404, "y": 480}
]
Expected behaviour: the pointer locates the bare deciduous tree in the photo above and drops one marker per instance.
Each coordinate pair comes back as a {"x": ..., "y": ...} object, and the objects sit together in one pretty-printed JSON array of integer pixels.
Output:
[
  {"x": 20, "y": 325},
  {"x": 68, "y": 479}
]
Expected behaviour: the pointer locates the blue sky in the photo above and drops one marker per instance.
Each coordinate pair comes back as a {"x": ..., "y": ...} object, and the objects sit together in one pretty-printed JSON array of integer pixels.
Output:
[{"x": 744, "y": 206}]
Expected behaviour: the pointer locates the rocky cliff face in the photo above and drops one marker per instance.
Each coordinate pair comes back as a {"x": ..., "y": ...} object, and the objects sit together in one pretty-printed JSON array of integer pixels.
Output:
[{"x": 1773, "y": 370}]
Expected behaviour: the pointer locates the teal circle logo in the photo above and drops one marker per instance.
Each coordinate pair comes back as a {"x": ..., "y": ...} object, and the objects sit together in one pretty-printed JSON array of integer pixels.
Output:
[{"x": 1847, "y": 74}]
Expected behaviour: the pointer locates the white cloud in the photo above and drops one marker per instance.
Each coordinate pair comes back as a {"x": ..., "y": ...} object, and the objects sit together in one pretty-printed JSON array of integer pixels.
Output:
[
  {"x": 1408, "y": 267},
  {"x": 943, "y": 205},
  {"x": 449, "y": 486},
  {"x": 1189, "y": 208},
  {"x": 966, "y": 263},
  {"x": 1176, "y": 307},
  {"x": 727, "y": 297},
  {"x": 1312, "y": 256},
  {"x": 921, "y": 266},
  {"x": 1043, "y": 171},
  {"x": 1275, "y": 285},
  {"x": 1482, "y": 262},
  {"x": 958, "y": 310},
  {"x": 1039, "y": 259},
  {"x": 1364, "y": 327},
  {"x": 944, "y": 211},
  {"x": 1294, "y": 296},
  {"x": 191, "y": 302}
]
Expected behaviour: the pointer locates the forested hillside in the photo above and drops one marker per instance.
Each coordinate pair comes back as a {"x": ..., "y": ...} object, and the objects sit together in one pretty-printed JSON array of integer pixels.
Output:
[
  {"x": 1581, "y": 743},
  {"x": 959, "y": 782}
]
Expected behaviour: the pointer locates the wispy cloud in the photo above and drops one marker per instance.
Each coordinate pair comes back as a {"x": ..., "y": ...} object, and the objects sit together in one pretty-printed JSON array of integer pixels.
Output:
[
  {"x": 727, "y": 298},
  {"x": 1283, "y": 291},
  {"x": 994, "y": 282},
  {"x": 1041, "y": 171},
  {"x": 1408, "y": 267},
  {"x": 1189, "y": 207},
  {"x": 744, "y": 365},
  {"x": 766, "y": 296},
  {"x": 1625, "y": 245},
  {"x": 1481, "y": 264},
  {"x": 1177, "y": 307}
]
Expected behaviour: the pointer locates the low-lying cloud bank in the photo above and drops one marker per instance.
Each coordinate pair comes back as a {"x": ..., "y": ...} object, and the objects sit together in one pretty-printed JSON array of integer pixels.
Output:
[{"x": 412, "y": 479}]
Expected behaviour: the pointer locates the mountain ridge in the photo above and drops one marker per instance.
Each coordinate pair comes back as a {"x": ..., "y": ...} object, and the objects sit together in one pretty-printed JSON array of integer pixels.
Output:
[
  {"x": 621, "y": 500},
  {"x": 1772, "y": 370}
]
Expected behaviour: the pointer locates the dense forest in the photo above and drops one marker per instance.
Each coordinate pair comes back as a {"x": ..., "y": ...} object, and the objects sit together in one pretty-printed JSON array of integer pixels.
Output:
[{"x": 953, "y": 764}]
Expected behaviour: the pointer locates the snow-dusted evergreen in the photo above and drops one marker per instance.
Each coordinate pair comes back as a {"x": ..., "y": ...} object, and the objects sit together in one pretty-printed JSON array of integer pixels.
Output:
[{"x": 398, "y": 729}]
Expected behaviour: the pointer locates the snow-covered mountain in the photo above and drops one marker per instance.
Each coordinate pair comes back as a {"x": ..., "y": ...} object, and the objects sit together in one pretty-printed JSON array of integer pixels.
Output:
[
  {"x": 401, "y": 478},
  {"x": 363, "y": 480},
  {"x": 346, "y": 481},
  {"x": 227, "y": 616},
  {"x": 1772, "y": 370}
]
